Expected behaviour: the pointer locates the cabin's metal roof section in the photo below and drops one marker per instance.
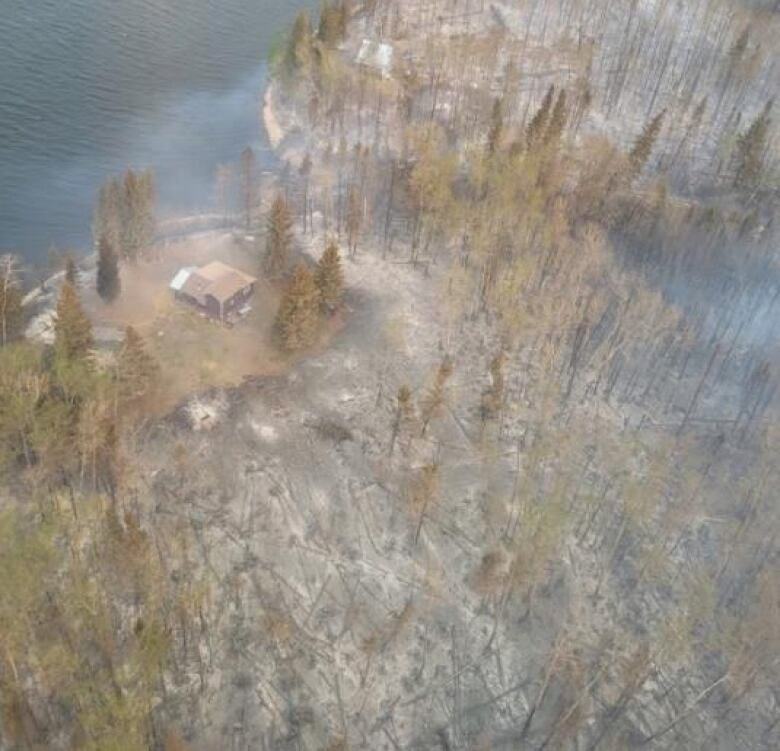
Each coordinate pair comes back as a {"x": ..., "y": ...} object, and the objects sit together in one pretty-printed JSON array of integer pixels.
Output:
[{"x": 181, "y": 278}]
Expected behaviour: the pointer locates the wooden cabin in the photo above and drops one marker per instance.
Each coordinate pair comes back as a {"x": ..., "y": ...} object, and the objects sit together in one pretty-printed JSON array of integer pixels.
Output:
[{"x": 218, "y": 290}]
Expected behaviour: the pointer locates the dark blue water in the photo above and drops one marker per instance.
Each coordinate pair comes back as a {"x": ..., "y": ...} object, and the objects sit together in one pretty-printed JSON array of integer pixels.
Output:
[{"x": 90, "y": 87}]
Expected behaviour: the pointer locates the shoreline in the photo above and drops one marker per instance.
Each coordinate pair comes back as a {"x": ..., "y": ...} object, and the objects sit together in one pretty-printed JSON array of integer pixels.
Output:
[
  {"x": 173, "y": 228},
  {"x": 41, "y": 297}
]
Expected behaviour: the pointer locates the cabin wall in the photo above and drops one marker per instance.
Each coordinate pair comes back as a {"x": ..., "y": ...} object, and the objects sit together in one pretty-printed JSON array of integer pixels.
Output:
[
  {"x": 239, "y": 299},
  {"x": 212, "y": 308}
]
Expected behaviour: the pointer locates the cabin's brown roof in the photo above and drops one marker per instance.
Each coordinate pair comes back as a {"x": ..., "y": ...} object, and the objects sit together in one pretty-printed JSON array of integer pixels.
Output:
[
  {"x": 217, "y": 270},
  {"x": 217, "y": 280},
  {"x": 228, "y": 286}
]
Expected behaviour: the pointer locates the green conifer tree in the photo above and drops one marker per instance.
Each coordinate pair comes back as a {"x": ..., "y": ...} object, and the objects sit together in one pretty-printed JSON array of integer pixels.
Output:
[
  {"x": 279, "y": 239},
  {"x": 137, "y": 221},
  {"x": 131, "y": 202},
  {"x": 538, "y": 124},
  {"x": 643, "y": 148},
  {"x": 72, "y": 329},
  {"x": 345, "y": 13},
  {"x": 11, "y": 310},
  {"x": 751, "y": 146},
  {"x": 329, "y": 31},
  {"x": 437, "y": 395},
  {"x": 557, "y": 120},
  {"x": 108, "y": 282},
  {"x": 248, "y": 185},
  {"x": 305, "y": 173},
  {"x": 71, "y": 271},
  {"x": 108, "y": 216},
  {"x": 403, "y": 416},
  {"x": 298, "y": 319},
  {"x": 137, "y": 370},
  {"x": 297, "y": 60},
  {"x": 147, "y": 223},
  {"x": 496, "y": 127},
  {"x": 329, "y": 278},
  {"x": 493, "y": 397},
  {"x": 354, "y": 218}
]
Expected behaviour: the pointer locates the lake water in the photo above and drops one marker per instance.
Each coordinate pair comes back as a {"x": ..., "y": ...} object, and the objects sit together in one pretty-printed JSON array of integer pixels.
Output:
[{"x": 90, "y": 87}]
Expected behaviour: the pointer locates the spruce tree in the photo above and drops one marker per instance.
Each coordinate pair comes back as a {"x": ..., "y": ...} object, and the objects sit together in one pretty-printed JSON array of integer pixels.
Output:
[
  {"x": 493, "y": 397},
  {"x": 538, "y": 124},
  {"x": 137, "y": 370},
  {"x": 404, "y": 415},
  {"x": 130, "y": 242},
  {"x": 329, "y": 278},
  {"x": 279, "y": 238},
  {"x": 437, "y": 395},
  {"x": 305, "y": 172},
  {"x": 298, "y": 55},
  {"x": 750, "y": 150},
  {"x": 147, "y": 223},
  {"x": 345, "y": 13},
  {"x": 329, "y": 31},
  {"x": 71, "y": 271},
  {"x": 496, "y": 127},
  {"x": 557, "y": 120},
  {"x": 739, "y": 47},
  {"x": 643, "y": 148},
  {"x": 11, "y": 310},
  {"x": 354, "y": 218},
  {"x": 72, "y": 329},
  {"x": 108, "y": 282},
  {"x": 136, "y": 214},
  {"x": 297, "y": 321},
  {"x": 108, "y": 216},
  {"x": 248, "y": 185}
]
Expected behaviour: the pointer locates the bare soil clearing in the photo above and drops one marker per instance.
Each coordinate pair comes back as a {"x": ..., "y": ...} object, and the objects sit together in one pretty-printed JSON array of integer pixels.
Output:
[{"x": 194, "y": 352}]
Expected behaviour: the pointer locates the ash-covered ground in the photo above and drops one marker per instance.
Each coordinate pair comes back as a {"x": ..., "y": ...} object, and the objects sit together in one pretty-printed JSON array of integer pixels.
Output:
[{"x": 564, "y": 575}]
